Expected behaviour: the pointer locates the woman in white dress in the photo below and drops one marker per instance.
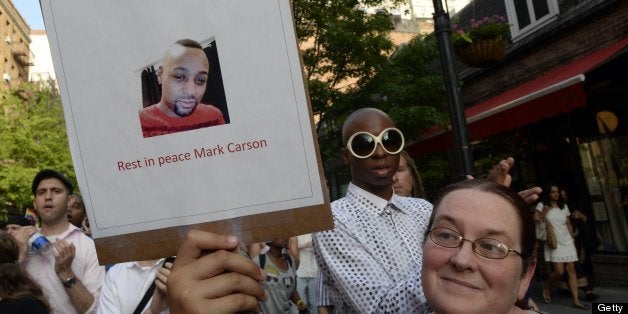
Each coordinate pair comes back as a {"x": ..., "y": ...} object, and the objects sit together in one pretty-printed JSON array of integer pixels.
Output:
[{"x": 553, "y": 209}]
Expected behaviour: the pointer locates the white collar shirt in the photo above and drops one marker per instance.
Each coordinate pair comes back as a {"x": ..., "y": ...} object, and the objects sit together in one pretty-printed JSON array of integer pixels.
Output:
[
  {"x": 125, "y": 286},
  {"x": 84, "y": 265},
  {"x": 371, "y": 262}
]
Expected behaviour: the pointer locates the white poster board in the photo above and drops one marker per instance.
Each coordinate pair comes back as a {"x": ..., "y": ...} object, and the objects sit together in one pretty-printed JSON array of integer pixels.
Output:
[{"x": 260, "y": 171}]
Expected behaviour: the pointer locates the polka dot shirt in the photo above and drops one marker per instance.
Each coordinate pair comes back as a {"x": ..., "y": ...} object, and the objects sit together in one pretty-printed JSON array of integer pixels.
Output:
[{"x": 371, "y": 261}]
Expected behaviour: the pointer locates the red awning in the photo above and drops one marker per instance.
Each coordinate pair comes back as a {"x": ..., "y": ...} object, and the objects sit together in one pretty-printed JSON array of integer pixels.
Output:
[{"x": 556, "y": 92}]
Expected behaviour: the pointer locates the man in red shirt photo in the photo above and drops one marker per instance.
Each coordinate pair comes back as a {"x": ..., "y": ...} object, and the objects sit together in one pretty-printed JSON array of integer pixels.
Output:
[{"x": 183, "y": 77}]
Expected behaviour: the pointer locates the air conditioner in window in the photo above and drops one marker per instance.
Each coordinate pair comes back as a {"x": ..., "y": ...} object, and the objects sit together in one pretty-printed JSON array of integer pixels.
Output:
[
  {"x": 6, "y": 77},
  {"x": 7, "y": 39}
]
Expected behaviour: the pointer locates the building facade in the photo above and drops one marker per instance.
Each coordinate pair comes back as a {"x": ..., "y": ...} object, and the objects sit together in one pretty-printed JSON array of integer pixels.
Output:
[
  {"x": 15, "y": 55},
  {"x": 558, "y": 98},
  {"x": 42, "y": 71}
]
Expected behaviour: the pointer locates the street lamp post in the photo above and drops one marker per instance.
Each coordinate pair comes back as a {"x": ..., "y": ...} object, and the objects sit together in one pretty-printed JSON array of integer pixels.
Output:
[{"x": 462, "y": 147}]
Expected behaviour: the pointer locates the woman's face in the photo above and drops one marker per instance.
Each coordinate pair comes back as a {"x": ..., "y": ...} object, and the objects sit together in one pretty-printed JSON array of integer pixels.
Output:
[
  {"x": 402, "y": 180},
  {"x": 458, "y": 280},
  {"x": 554, "y": 193}
]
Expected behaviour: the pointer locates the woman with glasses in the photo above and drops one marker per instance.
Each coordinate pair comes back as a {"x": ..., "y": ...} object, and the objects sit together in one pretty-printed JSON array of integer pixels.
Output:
[{"x": 478, "y": 254}]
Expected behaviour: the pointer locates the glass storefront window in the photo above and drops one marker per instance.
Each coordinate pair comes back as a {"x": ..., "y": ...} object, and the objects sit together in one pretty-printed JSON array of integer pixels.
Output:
[{"x": 605, "y": 166}]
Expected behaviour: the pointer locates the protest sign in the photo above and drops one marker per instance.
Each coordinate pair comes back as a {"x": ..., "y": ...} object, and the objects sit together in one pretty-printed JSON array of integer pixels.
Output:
[{"x": 167, "y": 136}]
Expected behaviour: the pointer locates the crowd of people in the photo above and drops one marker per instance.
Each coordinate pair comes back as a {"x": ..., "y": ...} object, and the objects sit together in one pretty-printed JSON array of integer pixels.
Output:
[{"x": 391, "y": 251}]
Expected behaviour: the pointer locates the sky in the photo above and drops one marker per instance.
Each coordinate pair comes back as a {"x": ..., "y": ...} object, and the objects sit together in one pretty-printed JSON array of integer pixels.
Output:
[{"x": 31, "y": 12}]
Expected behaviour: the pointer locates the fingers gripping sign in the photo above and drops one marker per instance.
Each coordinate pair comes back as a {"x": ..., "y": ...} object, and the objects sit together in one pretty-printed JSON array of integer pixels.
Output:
[{"x": 210, "y": 276}]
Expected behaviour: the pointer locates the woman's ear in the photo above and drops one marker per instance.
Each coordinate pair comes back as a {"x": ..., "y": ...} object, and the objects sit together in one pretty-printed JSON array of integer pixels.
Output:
[{"x": 526, "y": 278}]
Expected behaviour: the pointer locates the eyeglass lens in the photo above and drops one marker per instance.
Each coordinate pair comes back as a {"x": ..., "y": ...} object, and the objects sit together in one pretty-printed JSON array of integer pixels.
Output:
[
  {"x": 363, "y": 144},
  {"x": 486, "y": 247}
]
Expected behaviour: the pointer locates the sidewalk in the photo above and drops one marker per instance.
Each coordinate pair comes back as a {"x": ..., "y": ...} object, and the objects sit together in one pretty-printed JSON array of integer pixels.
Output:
[{"x": 561, "y": 302}]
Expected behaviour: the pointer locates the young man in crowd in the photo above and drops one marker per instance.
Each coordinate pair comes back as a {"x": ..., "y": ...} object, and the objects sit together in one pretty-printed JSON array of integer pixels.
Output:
[
  {"x": 68, "y": 270},
  {"x": 77, "y": 214}
]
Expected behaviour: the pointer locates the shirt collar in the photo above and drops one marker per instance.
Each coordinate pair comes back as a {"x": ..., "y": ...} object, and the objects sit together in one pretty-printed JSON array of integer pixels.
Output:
[
  {"x": 137, "y": 264},
  {"x": 380, "y": 205},
  {"x": 71, "y": 228}
]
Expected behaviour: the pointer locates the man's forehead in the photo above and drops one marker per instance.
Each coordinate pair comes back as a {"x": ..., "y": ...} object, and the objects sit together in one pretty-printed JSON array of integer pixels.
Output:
[
  {"x": 50, "y": 183},
  {"x": 179, "y": 54},
  {"x": 75, "y": 200},
  {"x": 367, "y": 121}
]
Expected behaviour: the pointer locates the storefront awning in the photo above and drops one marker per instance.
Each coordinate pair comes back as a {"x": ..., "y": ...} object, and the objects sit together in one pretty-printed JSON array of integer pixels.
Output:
[{"x": 556, "y": 92}]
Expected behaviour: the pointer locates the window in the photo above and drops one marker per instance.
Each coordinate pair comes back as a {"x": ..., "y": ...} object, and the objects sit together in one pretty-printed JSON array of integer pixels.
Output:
[{"x": 528, "y": 15}]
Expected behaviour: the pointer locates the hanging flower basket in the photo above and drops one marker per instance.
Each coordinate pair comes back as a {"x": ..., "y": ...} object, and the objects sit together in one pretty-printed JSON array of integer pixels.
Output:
[
  {"x": 482, "y": 53},
  {"x": 483, "y": 42}
]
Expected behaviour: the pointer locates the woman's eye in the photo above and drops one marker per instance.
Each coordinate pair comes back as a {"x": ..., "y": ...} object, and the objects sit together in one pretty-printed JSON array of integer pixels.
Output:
[
  {"x": 446, "y": 235},
  {"x": 491, "y": 247}
]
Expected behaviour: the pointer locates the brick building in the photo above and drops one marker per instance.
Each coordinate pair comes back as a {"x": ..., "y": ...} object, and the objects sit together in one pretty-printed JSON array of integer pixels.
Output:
[
  {"x": 559, "y": 96},
  {"x": 15, "y": 57}
]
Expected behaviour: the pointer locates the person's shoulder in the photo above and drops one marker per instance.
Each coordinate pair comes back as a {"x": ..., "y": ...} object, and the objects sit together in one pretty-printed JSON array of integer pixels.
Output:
[
  {"x": 120, "y": 268},
  {"x": 209, "y": 113},
  {"x": 414, "y": 204},
  {"x": 148, "y": 110},
  {"x": 342, "y": 209},
  {"x": 339, "y": 202},
  {"x": 208, "y": 109},
  {"x": 80, "y": 235},
  {"x": 149, "y": 113}
]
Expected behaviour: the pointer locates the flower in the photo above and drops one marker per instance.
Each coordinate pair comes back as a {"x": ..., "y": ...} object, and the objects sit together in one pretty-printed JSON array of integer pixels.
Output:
[{"x": 494, "y": 27}]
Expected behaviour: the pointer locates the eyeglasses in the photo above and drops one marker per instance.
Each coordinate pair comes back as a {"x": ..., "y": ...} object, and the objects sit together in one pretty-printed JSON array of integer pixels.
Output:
[
  {"x": 487, "y": 247},
  {"x": 363, "y": 144}
]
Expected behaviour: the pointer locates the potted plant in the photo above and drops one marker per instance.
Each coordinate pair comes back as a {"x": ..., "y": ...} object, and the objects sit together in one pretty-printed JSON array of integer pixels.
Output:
[{"x": 484, "y": 42}]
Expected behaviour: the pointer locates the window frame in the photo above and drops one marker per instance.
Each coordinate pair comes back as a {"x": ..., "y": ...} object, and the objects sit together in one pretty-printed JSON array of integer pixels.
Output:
[{"x": 535, "y": 24}]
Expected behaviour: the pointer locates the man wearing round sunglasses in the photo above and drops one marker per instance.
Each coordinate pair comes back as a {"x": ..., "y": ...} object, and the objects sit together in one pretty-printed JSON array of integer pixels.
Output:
[{"x": 371, "y": 261}]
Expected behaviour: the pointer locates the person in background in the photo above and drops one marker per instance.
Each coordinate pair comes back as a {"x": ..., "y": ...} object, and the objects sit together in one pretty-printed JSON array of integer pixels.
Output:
[
  {"x": 256, "y": 249},
  {"x": 281, "y": 280},
  {"x": 77, "y": 214},
  {"x": 553, "y": 209},
  {"x": 19, "y": 293},
  {"x": 371, "y": 261},
  {"x": 478, "y": 254},
  {"x": 68, "y": 270},
  {"x": 127, "y": 284},
  {"x": 293, "y": 251},
  {"x": 323, "y": 304},
  {"x": 582, "y": 239},
  {"x": 307, "y": 272},
  {"x": 407, "y": 181},
  {"x": 15, "y": 223}
]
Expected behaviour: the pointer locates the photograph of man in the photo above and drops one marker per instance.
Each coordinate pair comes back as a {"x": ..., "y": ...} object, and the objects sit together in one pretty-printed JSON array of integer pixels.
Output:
[{"x": 183, "y": 77}]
